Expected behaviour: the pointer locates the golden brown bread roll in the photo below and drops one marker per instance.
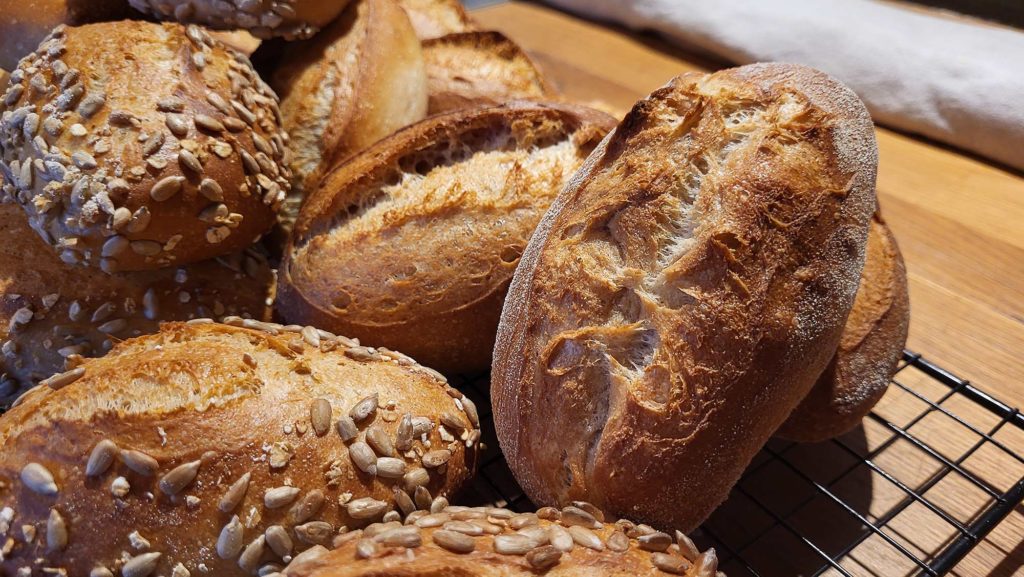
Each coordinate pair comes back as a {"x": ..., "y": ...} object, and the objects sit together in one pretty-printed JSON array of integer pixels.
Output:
[
  {"x": 358, "y": 81},
  {"x": 684, "y": 292},
  {"x": 211, "y": 449},
  {"x": 479, "y": 68},
  {"x": 869, "y": 350},
  {"x": 437, "y": 18},
  {"x": 25, "y": 23},
  {"x": 290, "y": 19},
  {"x": 52, "y": 315},
  {"x": 412, "y": 243},
  {"x": 136, "y": 146},
  {"x": 491, "y": 542}
]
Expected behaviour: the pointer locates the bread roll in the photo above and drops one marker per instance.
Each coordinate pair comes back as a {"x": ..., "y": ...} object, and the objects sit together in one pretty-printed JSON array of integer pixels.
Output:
[
  {"x": 436, "y": 18},
  {"x": 869, "y": 350},
  {"x": 290, "y": 19},
  {"x": 684, "y": 292},
  {"x": 479, "y": 68},
  {"x": 52, "y": 315},
  {"x": 217, "y": 449},
  {"x": 489, "y": 542},
  {"x": 25, "y": 23},
  {"x": 358, "y": 81},
  {"x": 412, "y": 243},
  {"x": 135, "y": 146}
]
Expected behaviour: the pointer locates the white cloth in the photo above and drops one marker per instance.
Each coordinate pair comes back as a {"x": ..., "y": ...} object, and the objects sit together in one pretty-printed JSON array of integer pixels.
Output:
[{"x": 954, "y": 81}]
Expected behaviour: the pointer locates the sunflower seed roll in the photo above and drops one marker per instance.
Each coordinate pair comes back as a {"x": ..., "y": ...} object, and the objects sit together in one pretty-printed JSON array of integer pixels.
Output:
[
  {"x": 135, "y": 146},
  {"x": 214, "y": 449},
  {"x": 290, "y": 19}
]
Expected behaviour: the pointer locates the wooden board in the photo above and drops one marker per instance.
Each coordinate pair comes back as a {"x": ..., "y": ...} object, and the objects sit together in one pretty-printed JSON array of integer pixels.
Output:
[{"x": 960, "y": 224}]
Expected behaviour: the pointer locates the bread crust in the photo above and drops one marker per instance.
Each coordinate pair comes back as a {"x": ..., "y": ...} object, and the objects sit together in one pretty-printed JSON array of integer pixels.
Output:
[
  {"x": 289, "y": 19},
  {"x": 437, "y": 18},
  {"x": 358, "y": 81},
  {"x": 632, "y": 552},
  {"x": 53, "y": 315},
  {"x": 26, "y": 23},
  {"x": 869, "y": 350},
  {"x": 684, "y": 292},
  {"x": 232, "y": 401},
  {"x": 135, "y": 146},
  {"x": 479, "y": 69},
  {"x": 413, "y": 242}
]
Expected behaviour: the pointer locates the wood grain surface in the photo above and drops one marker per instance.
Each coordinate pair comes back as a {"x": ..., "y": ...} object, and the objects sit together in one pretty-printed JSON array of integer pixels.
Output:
[{"x": 960, "y": 224}]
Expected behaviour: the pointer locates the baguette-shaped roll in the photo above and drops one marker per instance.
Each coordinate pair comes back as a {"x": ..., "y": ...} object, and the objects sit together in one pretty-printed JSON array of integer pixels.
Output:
[
  {"x": 412, "y": 243},
  {"x": 869, "y": 350},
  {"x": 220, "y": 450},
  {"x": 493, "y": 542},
  {"x": 479, "y": 68},
  {"x": 25, "y": 23},
  {"x": 359, "y": 80},
  {"x": 684, "y": 292},
  {"x": 53, "y": 315},
  {"x": 289, "y": 19},
  {"x": 135, "y": 146},
  {"x": 437, "y": 18}
]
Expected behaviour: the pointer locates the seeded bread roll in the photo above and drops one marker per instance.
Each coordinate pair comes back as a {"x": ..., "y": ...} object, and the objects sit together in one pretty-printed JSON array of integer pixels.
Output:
[
  {"x": 479, "y": 68},
  {"x": 52, "y": 315},
  {"x": 358, "y": 81},
  {"x": 412, "y": 243},
  {"x": 869, "y": 350},
  {"x": 437, "y": 18},
  {"x": 685, "y": 291},
  {"x": 215, "y": 449},
  {"x": 135, "y": 146},
  {"x": 25, "y": 23},
  {"x": 489, "y": 542},
  {"x": 290, "y": 19}
]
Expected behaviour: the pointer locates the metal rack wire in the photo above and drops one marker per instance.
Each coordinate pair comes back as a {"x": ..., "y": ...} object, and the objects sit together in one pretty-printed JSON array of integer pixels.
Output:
[{"x": 899, "y": 496}]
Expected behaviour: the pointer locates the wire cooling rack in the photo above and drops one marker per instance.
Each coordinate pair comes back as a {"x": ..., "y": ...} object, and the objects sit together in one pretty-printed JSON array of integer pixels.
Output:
[{"x": 933, "y": 470}]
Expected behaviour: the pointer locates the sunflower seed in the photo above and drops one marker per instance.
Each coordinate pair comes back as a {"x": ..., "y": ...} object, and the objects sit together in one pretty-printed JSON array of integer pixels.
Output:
[
  {"x": 140, "y": 462},
  {"x": 209, "y": 123},
  {"x": 421, "y": 426},
  {"x": 139, "y": 221},
  {"x": 656, "y": 541},
  {"x": 210, "y": 189},
  {"x": 469, "y": 407},
  {"x": 686, "y": 546},
  {"x": 364, "y": 408},
  {"x": 512, "y": 545},
  {"x": 452, "y": 421},
  {"x": 250, "y": 164},
  {"x": 141, "y": 565},
  {"x": 404, "y": 436},
  {"x": 707, "y": 564},
  {"x": 83, "y": 160},
  {"x": 380, "y": 441},
  {"x": 404, "y": 501},
  {"x": 234, "y": 495},
  {"x": 279, "y": 540},
  {"x": 170, "y": 104},
  {"x": 416, "y": 477},
  {"x": 61, "y": 380},
  {"x": 279, "y": 497},
  {"x": 366, "y": 508},
  {"x": 438, "y": 504},
  {"x": 101, "y": 572},
  {"x": 166, "y": 188},
  {"x": 408, "y": 537},
  {"x": 180, "y": 477},
  {"x": 454, "y": 541},
  {"x": 365, "y": 548},
  {"x": 308, "y": 506},
  {"x": 390, "y": 468},
  {"x": 586, "y": 538},
  {"x": 190, "y": 161},
  {"x": 364, "y": 458},
  {"x": 229, "y": 544},
  {"x": 243, "y": 112},
  {"x": 576, "y": 516},
  {"x": 315, "y": 533},
  {"x": 434, "y": 459},
  {"x": 101, "y": 458},
  {"x": 56, "y": 532},
  {"x": 153, "y": 144},
  {"x": 234, "y": 125},
  {"x": 422, "y": 498},
  {"x": 347, "y": 428},
  {"x": 320, "y": 416},
  {"x": 670, "y": 564},
  {"x": 177, "y": 124},
  {"x": 38, "y": 479},
  {"x": 249, "y": 560},
  {"x": 262, "y": 145},
  {"x": 618, "y": 541},
  {"x": 543, "y": 558},
  {"x": 523, "y": 520},
  {"x": 561, "y": 539},
  {"x": 464, "y": 527},
  {"x": 91, "y": 104},
  {"x": 218, "y": 102}
]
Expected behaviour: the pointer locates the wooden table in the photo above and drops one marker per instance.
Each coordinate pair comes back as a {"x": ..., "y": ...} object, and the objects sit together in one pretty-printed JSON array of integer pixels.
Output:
[{"x": 959, "y": 221}]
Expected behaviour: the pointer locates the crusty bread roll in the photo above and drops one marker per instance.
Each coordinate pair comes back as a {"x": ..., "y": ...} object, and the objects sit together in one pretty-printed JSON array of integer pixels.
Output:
[
  {"x": 412, "y": 243},
  {"x": 211, "y": 449},
  {"x": 358, "y": 81},
  {"x": 491, "y": 542},
  {"x": 136, "y": 146},
  {"x": 684, "y": 292},
  {"x": 437, "y": 18},
  {"x": 52, "y": 315},
  {"x": 479, "y": 68},
  {"x": 869, "y": 350},
  {"x": 25, "y": 23},
  {"x": 290, "y": 19}
]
